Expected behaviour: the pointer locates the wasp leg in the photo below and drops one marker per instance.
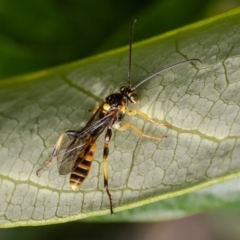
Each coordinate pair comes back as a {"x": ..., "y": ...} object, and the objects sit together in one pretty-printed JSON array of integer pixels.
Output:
[
  {"x": 56, "y": 149},
  {"x": 145, "y": 116},
  {"x": 141, "y": 133},
  {"x": 105, "y": 167},
  {"x": 110, "y": 91},
  {"x": 94, "y": 110}
]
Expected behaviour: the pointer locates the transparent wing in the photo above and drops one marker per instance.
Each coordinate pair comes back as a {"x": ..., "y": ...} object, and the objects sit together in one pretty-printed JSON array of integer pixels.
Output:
[
  {"x": 68, "y": 154},
  {"x": 74, "y": 146}
]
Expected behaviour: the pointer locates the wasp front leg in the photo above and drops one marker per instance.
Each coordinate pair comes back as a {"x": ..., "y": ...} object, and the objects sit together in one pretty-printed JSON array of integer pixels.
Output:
[
  {"x": 56, "y": 149},
  {"x": 145, "y": 116},
  {"x": 137, "y": 130},
  {"x": 105, "y": 166}
]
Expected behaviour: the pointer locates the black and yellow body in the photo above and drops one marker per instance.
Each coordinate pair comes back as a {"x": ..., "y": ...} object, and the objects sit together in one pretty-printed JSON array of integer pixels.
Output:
[
  {"x": 76, "y": 155},
  {"x": 109, "y": 115}
]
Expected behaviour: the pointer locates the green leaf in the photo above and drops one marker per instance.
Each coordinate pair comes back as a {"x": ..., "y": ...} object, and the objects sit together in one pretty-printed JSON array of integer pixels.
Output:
[
  {"x": 224, "y": 195},
  {"x": 200, "y": 102}
]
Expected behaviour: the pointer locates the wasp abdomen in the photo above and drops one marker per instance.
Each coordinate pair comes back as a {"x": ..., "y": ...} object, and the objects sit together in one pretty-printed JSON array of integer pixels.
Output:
[{"x": 82, "y": 168}]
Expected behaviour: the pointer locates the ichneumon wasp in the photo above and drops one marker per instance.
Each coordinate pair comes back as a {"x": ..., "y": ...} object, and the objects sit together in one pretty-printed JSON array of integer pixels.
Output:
[{"x": 76, "y": 158}]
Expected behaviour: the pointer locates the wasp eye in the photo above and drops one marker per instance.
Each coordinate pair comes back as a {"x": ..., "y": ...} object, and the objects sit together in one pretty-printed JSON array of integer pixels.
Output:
[
  {"x": 124, "y": 90},
  {"x": 134, "y": 98}
]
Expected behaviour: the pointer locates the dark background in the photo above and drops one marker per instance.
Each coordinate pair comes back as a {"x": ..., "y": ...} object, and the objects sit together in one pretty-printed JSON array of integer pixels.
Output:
[{"x": 39, "y": 34}]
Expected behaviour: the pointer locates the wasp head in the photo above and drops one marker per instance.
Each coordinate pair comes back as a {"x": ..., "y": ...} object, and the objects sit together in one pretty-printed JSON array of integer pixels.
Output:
[{"x": 130, "y": 94}]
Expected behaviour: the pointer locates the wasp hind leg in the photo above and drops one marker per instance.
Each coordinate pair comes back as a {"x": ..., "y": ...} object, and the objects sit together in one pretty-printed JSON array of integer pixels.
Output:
[
  {"x": 56, "y": 149},
  {"x": 105, "y": 167}
]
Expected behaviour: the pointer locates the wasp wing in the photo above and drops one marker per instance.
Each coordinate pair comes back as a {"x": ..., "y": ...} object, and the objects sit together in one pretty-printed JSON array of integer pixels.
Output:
[
  {"x": 80, "y": 144},
  {"x": 68, "y": 153}
]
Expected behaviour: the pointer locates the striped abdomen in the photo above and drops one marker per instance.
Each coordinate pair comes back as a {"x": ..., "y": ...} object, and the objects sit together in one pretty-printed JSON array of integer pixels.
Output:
[{"x": 82, "y": 168}]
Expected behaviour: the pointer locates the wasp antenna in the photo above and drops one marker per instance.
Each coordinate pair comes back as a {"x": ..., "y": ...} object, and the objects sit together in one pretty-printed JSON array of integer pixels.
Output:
[
  {"x": 130, "y": 51},
  {"x": 168, "y": 68}
]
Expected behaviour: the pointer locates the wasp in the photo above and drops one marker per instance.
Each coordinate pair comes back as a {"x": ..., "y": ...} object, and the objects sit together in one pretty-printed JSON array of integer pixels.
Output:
[{"x": 76, "y": 158}]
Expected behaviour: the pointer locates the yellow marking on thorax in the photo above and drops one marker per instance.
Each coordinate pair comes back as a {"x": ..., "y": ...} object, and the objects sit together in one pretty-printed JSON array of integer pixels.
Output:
[
  {"x": 106, "y": 107},
  {"x": 124, "y": 107}
]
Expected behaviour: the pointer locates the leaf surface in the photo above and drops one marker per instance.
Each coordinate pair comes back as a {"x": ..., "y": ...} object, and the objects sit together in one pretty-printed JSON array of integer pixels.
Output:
[{"x": 200, "y": 103}]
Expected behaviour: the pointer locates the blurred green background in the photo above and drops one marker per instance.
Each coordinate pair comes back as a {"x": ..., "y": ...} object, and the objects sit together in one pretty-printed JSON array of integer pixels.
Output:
[{"x": 36, "y": 35}]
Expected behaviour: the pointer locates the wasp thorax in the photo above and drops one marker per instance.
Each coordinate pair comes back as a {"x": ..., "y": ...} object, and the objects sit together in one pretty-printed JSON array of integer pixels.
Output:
[{"x": 114, "y": 99}]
